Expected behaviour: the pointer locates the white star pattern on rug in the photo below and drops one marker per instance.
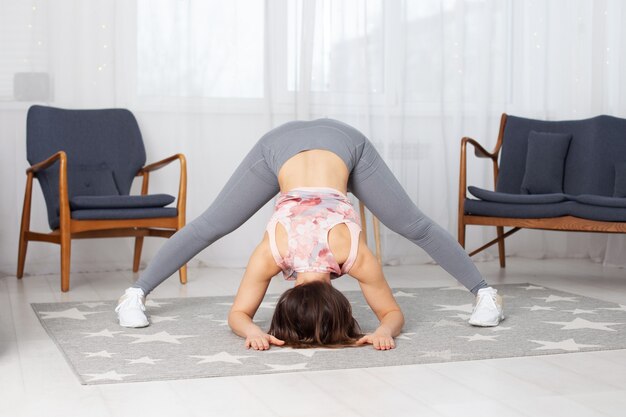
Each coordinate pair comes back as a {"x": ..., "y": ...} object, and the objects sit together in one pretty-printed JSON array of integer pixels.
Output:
[
  {"x": 621, "y": 307},
  {"x": 580, "y": 311},
  {"x": 145, "y": 359},
  {"x": 156, "y": 304},
  {"x": 101, "y": 354},
  {"x": 112, "y": 375},
  {"x": 552, "y": 298},
  {"x": 224, "y": 304},
  {"x": 479, "y": 337},
  {"x": 158, "y": 337},
  {"x": 467, "y": 308},
  {"x": 579, "y": 323},
  {"x": 220, "y": 357},
  {"x": 444, "y": 323},
  {"x": 532, "y": 287},
  {"x": 461, "y": 316},
  {"x": 92, "y": 305},
  {"x": 159, "y": 319},
  {"x": 540, "y": 308},
  {"x": 405, "y": 336},
  {"x": 101, "y": 333},
  {"x": 499, "y": 328},
  {"x": 569, "y": 345},
  {"x": 278, "y": 368},
  {"x": 221, "y": 322},
  {"x": 304, "y": 352},
  {"x": 403, "y": 294},
  {"x": 70, "y": 313},
  {"x": 441, "y": 354}
]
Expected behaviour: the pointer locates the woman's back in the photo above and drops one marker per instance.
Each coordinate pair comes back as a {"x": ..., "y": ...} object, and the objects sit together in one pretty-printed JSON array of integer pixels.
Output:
[{"x": 314, "y": 168}]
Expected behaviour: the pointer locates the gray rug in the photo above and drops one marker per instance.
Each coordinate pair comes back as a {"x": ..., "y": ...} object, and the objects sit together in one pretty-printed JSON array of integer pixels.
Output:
[{"x": 189, "y": 337}]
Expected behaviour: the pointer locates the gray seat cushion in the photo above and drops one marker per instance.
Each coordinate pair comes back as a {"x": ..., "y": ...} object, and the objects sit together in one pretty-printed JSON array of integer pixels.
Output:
[
  {"x": 600, "y": 201},
  {"x": 497, "y": 197},
  {"x": 536, "y": 211},
  {"x": 137, "y": 213},
  {"x": 607, "y": 214},
  {"x": 120, "y": 201},
  {"x": 523, "y": 211}
]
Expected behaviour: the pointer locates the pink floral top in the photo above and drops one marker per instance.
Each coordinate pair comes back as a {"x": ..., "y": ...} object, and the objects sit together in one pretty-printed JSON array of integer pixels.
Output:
[{"x": 308, "y": 214}]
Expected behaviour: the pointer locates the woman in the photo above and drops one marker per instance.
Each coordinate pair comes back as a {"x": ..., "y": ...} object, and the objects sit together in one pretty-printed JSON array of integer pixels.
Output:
[{"x": 321, "y": 153}]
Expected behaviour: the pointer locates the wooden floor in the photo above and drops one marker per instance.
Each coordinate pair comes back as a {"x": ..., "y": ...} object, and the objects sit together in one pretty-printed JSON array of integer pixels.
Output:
[{"x": 36, "y": 381}]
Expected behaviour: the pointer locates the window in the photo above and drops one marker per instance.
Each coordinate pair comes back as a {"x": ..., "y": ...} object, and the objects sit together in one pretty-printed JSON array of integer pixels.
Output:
[
  {"x": 23, "y": 29},
  {"x": 200, "y": 48},
  {"x": 347, "y": 51}
]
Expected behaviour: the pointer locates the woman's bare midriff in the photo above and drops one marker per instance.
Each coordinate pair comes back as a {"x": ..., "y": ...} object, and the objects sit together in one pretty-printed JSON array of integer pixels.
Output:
[{"x": 316, "y": 168}]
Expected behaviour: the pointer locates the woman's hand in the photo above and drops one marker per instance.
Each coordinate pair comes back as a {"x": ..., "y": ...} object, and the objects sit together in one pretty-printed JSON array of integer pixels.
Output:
[
  {"x": 380, "y": 339},
  {"x": 260, "y": 340}
]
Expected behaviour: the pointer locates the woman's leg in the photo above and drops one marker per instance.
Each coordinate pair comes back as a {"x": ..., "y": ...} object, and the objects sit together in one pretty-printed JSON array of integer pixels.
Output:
[
  {"x": 250, "y": 187},
  {"x": 373, "y": 183}
]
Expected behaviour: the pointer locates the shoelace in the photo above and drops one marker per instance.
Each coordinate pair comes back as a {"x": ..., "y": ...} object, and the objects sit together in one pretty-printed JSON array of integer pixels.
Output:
[
  {"x": 130, "y": 301},
  {"x": 491, "y": 295}
]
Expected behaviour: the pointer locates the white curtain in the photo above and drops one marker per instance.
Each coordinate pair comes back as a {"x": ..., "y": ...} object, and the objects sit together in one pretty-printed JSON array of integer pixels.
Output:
[{"x": 208, "y": 78}]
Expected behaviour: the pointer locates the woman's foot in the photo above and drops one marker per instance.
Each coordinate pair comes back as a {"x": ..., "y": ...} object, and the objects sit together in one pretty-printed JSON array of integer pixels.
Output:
[
  {"x": 130, "y": 308},
  {"x": 488, "y": 309}
]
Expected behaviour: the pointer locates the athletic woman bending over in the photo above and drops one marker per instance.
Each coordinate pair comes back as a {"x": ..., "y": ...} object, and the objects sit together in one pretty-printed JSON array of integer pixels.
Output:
[{"x": 313, "y": 164}]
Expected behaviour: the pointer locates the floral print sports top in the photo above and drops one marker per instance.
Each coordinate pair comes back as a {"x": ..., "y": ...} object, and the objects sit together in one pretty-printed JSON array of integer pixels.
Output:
[{"x": 308, "y": 214}]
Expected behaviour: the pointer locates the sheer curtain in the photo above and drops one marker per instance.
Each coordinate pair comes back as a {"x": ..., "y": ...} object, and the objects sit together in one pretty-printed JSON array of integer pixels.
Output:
[{"x": 208, "y": 78}]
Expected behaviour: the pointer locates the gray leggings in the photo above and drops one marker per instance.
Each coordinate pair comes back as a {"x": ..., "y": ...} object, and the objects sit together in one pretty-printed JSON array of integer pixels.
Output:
[{"x": 255, "y": 182}]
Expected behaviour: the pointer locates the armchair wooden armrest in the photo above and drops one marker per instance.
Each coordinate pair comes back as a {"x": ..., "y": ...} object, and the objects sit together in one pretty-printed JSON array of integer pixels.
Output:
[
  {"x": 160, "y": 164},
  {"x": 64, "y": 203},
  {"x": 182, "y": 185},
  {"x": 480, "y": 152},
  {"x": 61, "y": 156}
]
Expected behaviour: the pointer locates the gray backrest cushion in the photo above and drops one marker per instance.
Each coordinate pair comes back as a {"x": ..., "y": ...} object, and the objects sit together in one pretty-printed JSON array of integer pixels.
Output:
[
  {"x": 545, "y": 162},
  {"x": 101, "y": 142},
  {"x": 597, "y": 144},
  {"x": 619, "y": 189}
]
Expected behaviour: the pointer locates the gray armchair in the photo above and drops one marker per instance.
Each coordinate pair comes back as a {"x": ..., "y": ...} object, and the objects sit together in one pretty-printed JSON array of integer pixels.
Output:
[{"x": 85, "y": 162}]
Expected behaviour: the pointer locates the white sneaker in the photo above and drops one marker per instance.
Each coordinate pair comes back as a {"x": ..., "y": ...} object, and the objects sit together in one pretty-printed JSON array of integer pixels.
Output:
[
  {"x": 130, "y": 308},
  {"x": 488, "y": 310}
]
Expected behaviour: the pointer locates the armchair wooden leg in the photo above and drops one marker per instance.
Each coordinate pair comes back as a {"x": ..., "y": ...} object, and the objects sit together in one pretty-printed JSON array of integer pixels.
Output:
[
  {"x": 182, "y": 272},
  {"x": 66, "y": 249},
  {"x": 461, "y": 232},
  {"x": 24, "y": 226},
  {"x": 137, "y": 256},
  {"x": 501, "y": 254},
  {"x": 21, "y": 256}
]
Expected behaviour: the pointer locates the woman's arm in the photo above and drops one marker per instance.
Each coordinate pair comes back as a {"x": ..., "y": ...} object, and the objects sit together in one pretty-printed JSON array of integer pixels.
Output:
[
  {"x": 378, "y": 295},
  {"x": 260, "y": 270}
]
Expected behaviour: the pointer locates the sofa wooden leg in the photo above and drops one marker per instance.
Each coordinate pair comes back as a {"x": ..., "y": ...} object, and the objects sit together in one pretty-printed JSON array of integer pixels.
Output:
[
  {"x": 66, "y": 249},
  {"x": 501, "y": 253},
  {"x": 182, "y": 272},
  {"x": 137, "y": 256}
]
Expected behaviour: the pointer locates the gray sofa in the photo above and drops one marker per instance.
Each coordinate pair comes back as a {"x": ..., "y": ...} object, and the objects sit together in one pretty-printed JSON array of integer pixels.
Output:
[{"x": 554, "y": 175}]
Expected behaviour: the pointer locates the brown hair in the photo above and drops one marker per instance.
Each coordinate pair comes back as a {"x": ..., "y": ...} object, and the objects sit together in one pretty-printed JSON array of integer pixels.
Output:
[{"x": 314, "y": 314}]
